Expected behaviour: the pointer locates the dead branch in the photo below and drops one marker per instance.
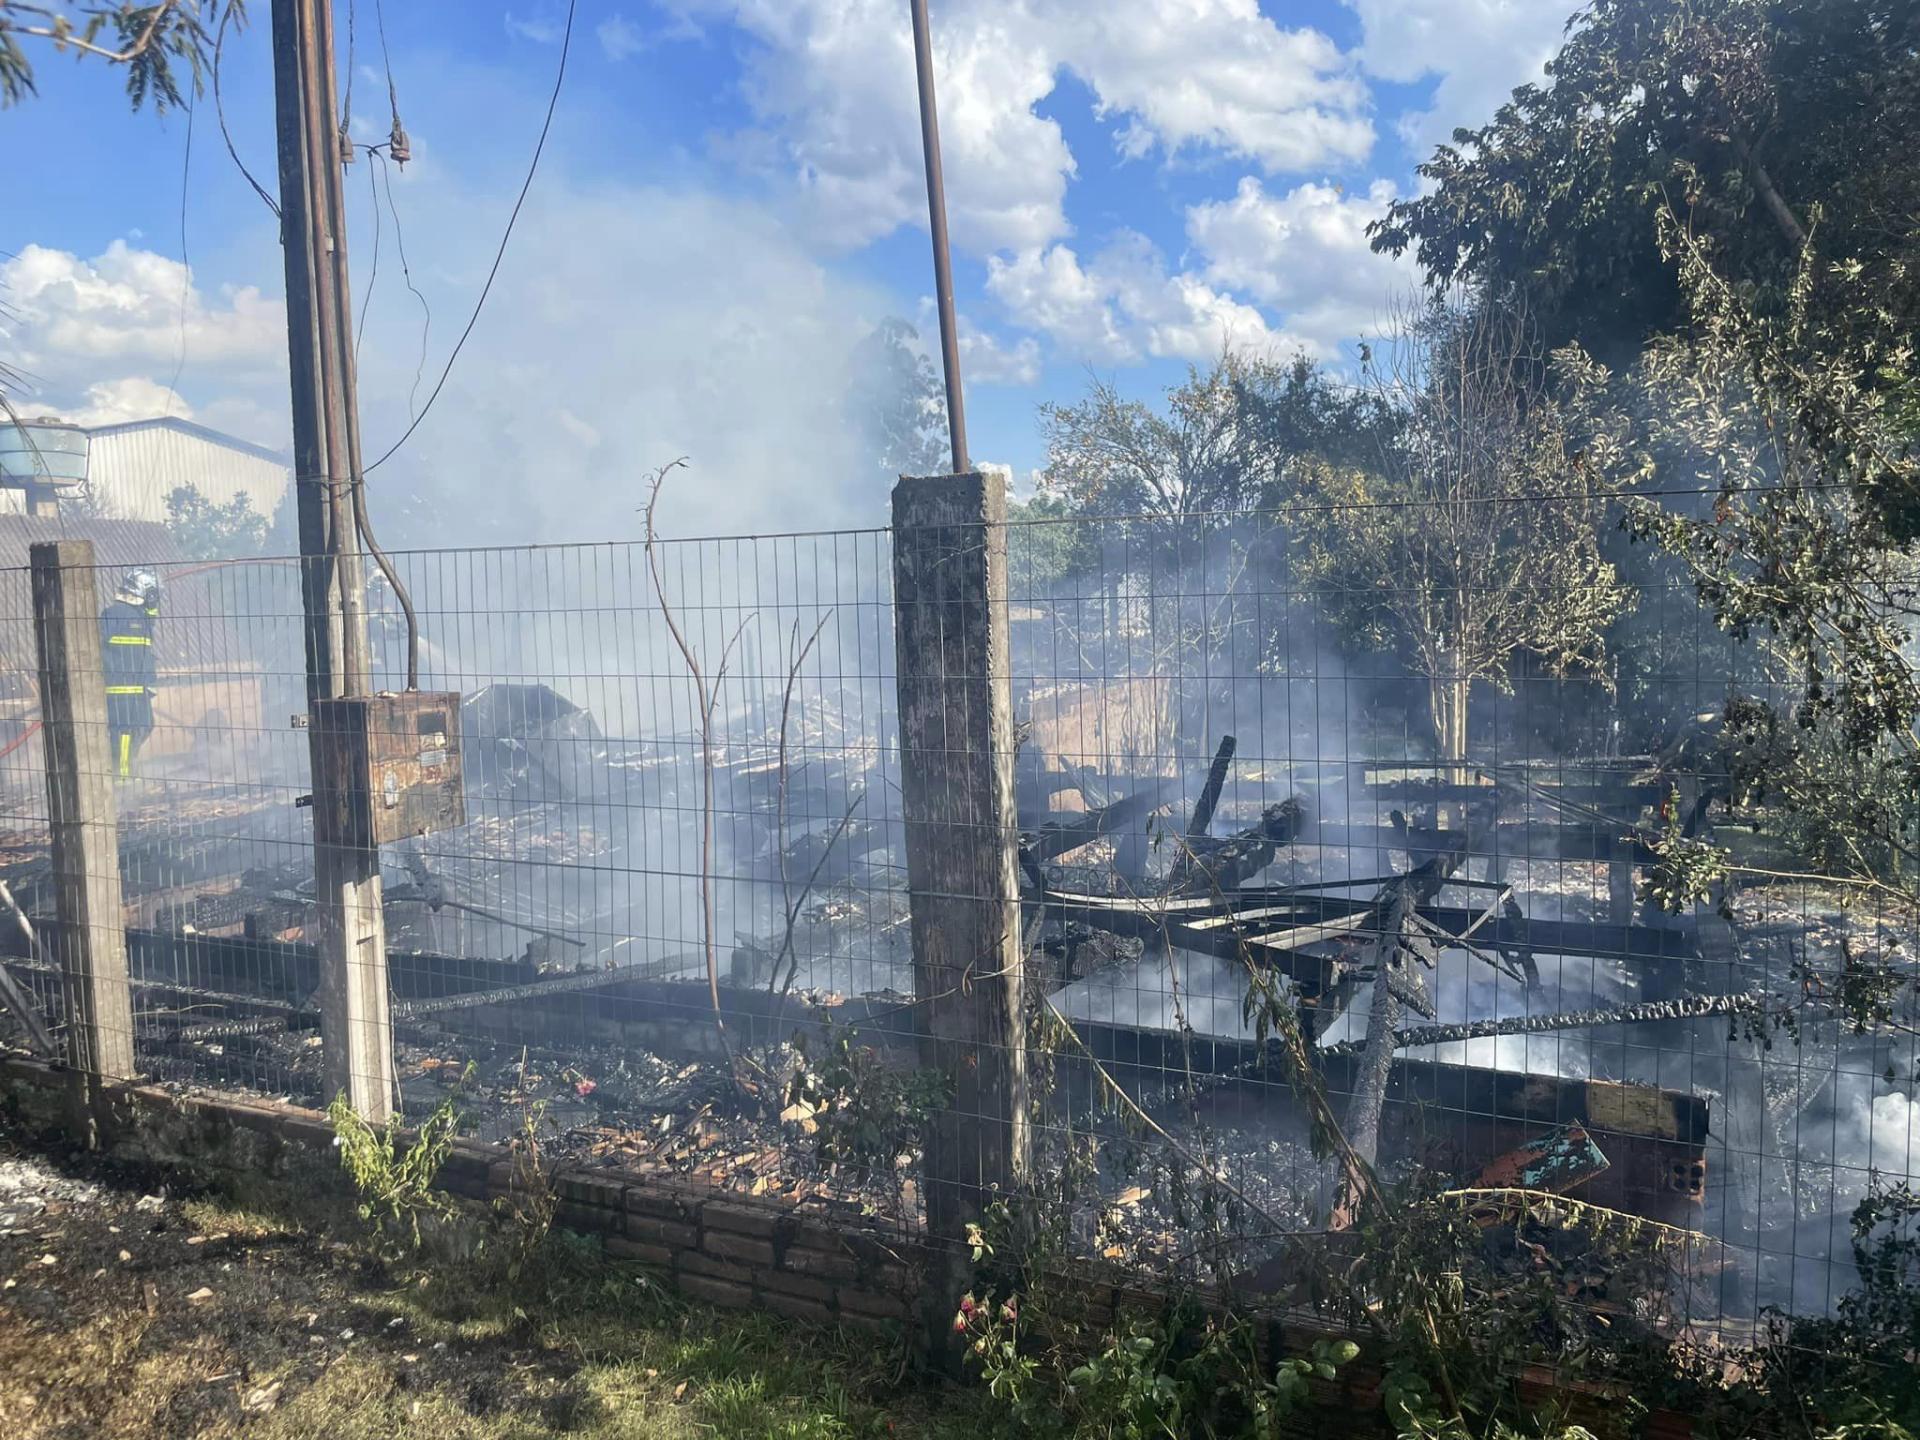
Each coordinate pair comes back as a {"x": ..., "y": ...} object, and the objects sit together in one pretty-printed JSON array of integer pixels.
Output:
[{"x": 707, "y": 696}]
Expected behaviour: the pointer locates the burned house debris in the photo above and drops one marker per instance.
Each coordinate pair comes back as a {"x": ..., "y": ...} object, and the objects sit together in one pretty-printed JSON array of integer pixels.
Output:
[{"x": 1479, "y": 990}]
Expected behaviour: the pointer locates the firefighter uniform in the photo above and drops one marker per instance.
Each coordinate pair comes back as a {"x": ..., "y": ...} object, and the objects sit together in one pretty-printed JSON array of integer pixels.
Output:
[{"x": 126, "y": 654}]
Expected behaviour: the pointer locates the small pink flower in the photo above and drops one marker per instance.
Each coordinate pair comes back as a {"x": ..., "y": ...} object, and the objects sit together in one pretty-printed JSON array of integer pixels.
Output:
[
  {"x": 960, "y": 1324},
  {"x": 966, "y": 1305},
  {"x": 584, "y": 1088},
  {"x": 1008, "y": 1313}
]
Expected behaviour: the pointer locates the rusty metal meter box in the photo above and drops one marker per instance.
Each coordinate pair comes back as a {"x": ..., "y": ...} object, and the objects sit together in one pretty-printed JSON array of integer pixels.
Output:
[{"x": 387, "y": 767}]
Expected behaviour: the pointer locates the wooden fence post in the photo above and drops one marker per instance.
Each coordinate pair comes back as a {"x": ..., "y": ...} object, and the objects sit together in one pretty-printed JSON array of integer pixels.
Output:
[
  {"x": 91, "y": 940},
  {"x": 956, "y": 775}
]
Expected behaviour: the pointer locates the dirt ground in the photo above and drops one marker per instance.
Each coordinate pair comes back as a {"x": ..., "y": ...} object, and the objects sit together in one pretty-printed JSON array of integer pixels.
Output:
[{"x": 130, "y": 1311}]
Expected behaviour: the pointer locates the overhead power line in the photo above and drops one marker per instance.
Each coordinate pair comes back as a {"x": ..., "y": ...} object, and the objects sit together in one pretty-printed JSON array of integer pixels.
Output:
[
  {"x": 553, "y": 100},
  {"x": 186, "y": 267},
  {"x": 406, "y": 273},
  {"x": 220, "y": 109}
]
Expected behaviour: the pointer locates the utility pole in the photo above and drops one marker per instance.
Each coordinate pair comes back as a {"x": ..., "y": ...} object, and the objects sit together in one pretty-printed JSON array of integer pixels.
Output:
[
  {"x": 356, "y": 1029},
  {"x": 937, "y": 224}
]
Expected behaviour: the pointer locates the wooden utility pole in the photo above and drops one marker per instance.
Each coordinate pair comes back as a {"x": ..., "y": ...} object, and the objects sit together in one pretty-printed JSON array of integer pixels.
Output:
[
  {"x": 91, "y": 940},
  {"x": 962, "y": 836},
  {"x": 354, "y": 1020}
]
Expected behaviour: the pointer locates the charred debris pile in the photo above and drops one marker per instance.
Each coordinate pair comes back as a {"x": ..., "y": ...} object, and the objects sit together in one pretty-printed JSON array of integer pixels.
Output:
[{"x": 548, "y": 953}]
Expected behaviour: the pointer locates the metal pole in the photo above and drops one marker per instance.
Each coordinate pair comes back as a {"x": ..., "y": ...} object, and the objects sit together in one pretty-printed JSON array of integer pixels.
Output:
[{"x": 937, "y": 220}]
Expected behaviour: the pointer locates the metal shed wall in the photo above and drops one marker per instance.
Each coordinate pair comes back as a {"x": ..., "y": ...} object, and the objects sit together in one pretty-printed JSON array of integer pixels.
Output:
[{"x": 133, "y": 467}]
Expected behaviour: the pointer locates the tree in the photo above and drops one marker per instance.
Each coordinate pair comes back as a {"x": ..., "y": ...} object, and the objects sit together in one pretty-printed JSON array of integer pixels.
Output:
[
  {"x": 206, "y": 531},
  {"x": 1166, "y": 514},
  {"x": 898, "y": 403},
  {"x": 1297, "y": 412},
  {"x": 151, "y": 42},
  {"x": 1176, "y": 506},
  {"x": 1801, "y": 427},
  {"x": 1481, "y": 540},
  {"x": 1200, "y": 462},
  {"x": 1750, "y": 117}
]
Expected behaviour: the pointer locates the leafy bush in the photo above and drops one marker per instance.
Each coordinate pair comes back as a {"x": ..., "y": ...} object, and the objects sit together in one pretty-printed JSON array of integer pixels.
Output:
[
  {"x": 867, "y": 1114},
  {"x": 395, "y": 1179},
  {"x": 1186, "y": 1374}
]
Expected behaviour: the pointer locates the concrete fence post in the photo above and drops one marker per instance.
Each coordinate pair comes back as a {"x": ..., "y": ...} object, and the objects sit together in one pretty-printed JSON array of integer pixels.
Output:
[
  {"x": 956, "y": 775},
  {"x": 91, "y": 939}
]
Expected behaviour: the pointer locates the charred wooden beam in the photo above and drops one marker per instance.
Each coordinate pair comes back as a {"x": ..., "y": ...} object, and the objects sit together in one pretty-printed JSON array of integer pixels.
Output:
[
  {"x": 17, "y": 1000},
  {"x": 1274, "y": 921},
  {"x": 1273, "y": 935},
  {"x": 1395, "y": 916},
  {"x": 1623, "y": 796},
  {"x": 1210, "y": 792},
  {"x": 1383, "y": 1016},
  {"x": 1510, "y": 840},
  {"x": 1206, "y": 866},
  {"x": 1062, "y": 837},
  {"x": 282, "y": 968}
]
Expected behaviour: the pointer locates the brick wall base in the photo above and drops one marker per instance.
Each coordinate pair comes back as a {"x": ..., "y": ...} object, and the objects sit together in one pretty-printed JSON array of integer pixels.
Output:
[{"x": 710, "y": 1245}]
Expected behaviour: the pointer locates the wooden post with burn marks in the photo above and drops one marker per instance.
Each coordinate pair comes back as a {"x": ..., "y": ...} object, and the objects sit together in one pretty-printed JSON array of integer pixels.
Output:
[{"x": 956, "y": 773}]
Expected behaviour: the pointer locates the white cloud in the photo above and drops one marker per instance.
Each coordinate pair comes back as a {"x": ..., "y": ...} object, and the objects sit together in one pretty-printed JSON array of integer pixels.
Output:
[
  {"x": 90, "y": 338},
  {"x": 620, "y": 38},
  {"x": 1479, "y": 49},
  {"x": 1049, "y": 291},
  {"x": 835, "y": 79},
  {"x": 127, "y": 305},
  {"x": 1306, "y": 254},
  {"x": 1218, "y": 75},
  {"x": 540, "y": 29},
  {"x": 1125, "y": 305},
  {"x": 985, "y": 360},
  {"x": 132, "y": 397}
]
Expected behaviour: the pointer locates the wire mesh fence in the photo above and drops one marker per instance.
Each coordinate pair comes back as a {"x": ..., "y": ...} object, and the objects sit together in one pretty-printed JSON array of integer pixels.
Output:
[{"x": 1308, "y": 865}]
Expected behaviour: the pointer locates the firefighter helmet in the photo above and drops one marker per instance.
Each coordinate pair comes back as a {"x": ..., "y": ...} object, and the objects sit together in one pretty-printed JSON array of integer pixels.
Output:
[{"x": 139, "y": 587}]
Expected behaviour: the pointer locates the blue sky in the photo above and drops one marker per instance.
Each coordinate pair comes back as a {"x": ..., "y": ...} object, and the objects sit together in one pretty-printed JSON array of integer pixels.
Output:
[{"x": 731, "y": 195}]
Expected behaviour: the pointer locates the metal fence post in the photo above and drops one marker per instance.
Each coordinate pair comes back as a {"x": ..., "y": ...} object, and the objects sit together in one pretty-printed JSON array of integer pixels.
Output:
[
  {"x": 91, "y": 940},
  {"x": 956, "y": 772}
]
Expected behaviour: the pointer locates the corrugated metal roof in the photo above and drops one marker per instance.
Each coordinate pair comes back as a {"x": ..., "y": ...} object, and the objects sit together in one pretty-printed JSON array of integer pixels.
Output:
[{"x": 199, "y": 432}]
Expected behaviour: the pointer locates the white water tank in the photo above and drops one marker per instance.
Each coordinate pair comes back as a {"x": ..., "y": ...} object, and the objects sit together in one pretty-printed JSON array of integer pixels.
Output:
[{"x": 43, "y": 451}]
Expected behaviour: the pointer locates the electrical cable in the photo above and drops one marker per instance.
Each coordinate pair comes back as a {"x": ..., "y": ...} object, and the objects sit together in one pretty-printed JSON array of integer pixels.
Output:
[
  {"x": 346, "y": 102},
  {"x": 362, "y": 521},
  {"x": 566, "y": 44},
  {"x": 373, "y": 271},
  {"x": 397, "y": 137},
  {"x": 406, "y": 271},
  {"x": 186, "y": 269},
  {"x": 220, "y": 110}
]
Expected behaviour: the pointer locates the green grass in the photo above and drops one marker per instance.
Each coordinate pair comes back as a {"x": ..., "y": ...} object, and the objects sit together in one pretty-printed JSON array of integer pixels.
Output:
[
  {"x": 305, "y": 1336},
  {"x": 636, "y": 1361}
]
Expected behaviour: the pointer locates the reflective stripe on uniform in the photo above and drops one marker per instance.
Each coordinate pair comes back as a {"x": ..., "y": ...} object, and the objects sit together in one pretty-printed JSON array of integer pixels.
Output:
[
  {"x": 126, "y": 755},
  {"x": 130, "y": 640},
  {"x": 126, "y": 689}
]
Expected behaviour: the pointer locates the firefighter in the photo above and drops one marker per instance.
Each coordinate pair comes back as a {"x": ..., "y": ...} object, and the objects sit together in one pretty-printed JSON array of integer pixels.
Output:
[{"x": 126, "y": 652}]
